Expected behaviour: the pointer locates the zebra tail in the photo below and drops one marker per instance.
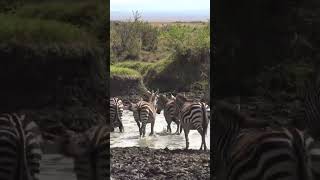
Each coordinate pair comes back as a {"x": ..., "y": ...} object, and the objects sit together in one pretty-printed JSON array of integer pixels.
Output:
[{"x": 205, "y": 119}]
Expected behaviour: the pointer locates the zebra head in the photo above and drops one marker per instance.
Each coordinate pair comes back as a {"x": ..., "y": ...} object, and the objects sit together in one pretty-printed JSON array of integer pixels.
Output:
[
  {"x": 154, "y": 97},
  {"x": 161, "y": 102}
]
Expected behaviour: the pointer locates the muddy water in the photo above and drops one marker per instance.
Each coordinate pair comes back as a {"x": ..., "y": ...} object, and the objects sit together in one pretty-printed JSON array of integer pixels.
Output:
[{"x": 160, "y": 140}]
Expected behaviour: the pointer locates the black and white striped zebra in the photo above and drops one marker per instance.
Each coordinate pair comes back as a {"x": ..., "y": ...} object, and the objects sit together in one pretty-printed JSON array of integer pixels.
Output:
[
  {"x": 116, "y": 110},
  {"x": 90, "y": 151},
  {"x": 170, "y": 114},
  {"x": 20, "y": 151},
  {"x": 193, "y": 116},
  {"x": 145, "y": 112},
  {"x": 249, "y": 149}
]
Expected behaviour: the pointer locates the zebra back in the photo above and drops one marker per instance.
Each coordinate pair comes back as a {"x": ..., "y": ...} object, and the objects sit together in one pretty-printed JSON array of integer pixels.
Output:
[
  {"x": 144, "y": 112},
  {"x": 116, "y": 111}
]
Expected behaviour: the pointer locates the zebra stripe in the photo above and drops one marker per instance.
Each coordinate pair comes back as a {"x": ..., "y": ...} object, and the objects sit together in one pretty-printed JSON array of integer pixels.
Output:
[
  {"x": 20, "y": 151},
  {"x": 251, "y": 150},
  {"x": 193, "y": 116},
  {"x": 116, "y": 110},
  {"x": 90, "y": 151},
  {"x": 168, "y": 106}
]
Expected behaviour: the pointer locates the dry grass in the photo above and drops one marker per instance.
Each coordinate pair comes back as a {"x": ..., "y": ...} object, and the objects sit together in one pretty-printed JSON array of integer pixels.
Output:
[{"x": 165, "y": 23}]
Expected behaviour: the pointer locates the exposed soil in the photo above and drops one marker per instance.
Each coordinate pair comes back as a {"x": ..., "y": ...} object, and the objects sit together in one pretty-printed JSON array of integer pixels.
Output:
[{"x": 153, "y": 164}]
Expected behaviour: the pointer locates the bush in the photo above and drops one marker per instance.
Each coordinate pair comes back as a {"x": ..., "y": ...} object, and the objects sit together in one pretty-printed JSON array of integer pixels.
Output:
[
  {"x": 187, "y": 42},
  {"x": 130, "y": 37}
]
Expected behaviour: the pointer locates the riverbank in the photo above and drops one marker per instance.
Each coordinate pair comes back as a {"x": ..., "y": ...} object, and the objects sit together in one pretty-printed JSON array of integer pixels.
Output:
[{"x": 145, "y": 163}]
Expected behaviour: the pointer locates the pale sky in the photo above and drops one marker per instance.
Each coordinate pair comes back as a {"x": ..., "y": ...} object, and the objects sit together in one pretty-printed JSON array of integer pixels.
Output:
[{"x": 159, "y": 5}]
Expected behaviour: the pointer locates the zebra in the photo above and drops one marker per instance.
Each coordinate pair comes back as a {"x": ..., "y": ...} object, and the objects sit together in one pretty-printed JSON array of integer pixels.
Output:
[
  {"x": 168, "y": 106},
  {"x": 193, "y": 116},
  {"x": 249, "y": 149},
  {"x": 116, "y": 110},
  {"x": 145, "y": 112},
  {"x": 20, "y": 150},
  {"x": 90, "y": 151}
]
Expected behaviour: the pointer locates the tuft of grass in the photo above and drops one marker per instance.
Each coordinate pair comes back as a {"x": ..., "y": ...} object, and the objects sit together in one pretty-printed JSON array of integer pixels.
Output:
[
  {"x": 124, "y": 72},
  {"x": 139, "y": 66}
]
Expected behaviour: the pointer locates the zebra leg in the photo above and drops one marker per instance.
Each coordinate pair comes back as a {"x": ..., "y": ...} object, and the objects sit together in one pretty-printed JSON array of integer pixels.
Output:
[
  {"x": 152, "y": 126},
  {"x": 177, "y": 131},
  {"x": 143, "y": 127},
  {"x": 169, "y": 127},
  {"x": 121, "y": 127},
  {"x": 140, "y": 132},
  {"x": 203, "y": 141},
  {"x": 186, "y": 132}
]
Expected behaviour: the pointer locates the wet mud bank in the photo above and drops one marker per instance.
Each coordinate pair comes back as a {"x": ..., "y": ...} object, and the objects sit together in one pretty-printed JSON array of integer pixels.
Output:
[{"x": 145, "y": 163}]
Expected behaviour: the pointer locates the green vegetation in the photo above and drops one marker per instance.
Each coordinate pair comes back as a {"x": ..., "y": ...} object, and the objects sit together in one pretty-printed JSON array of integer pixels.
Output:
[
  {"x": 141, "y": 67},
  {"x": 18, "y": 29},
  {"x": 85, "y": 14},
  {"x": 169, "y": 57},
  {"x": 124, "y": 72}
]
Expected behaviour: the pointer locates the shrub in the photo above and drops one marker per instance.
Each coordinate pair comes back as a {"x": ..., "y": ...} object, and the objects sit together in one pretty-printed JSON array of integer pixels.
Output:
[{"x": 128, "y": 38}]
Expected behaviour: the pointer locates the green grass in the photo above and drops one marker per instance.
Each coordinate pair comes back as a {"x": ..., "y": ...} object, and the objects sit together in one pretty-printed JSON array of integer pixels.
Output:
[
  {"x": 28, "y": 31},
  {"x": 124, "y": 72},
  {"x": 139, "y": 66},
  {"x": 78, "y": 13}
]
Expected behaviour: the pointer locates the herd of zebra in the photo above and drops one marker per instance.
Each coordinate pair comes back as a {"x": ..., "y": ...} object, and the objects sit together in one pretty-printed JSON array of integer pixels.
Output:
[{"x": 188, "y": 114}]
